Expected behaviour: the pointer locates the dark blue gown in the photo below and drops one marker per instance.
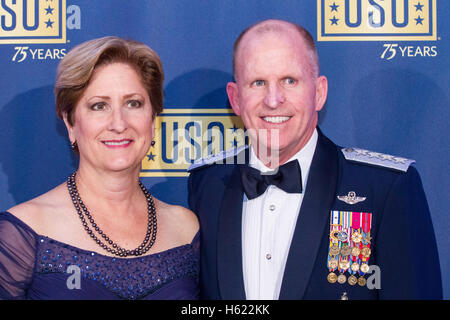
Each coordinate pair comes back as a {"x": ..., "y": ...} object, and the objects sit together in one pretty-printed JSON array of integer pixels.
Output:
[{"x": 38, "y": 267}]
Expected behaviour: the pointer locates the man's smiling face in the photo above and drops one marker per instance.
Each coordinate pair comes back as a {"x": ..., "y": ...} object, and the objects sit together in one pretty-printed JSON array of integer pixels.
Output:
[{"x": 276, "y": 89}]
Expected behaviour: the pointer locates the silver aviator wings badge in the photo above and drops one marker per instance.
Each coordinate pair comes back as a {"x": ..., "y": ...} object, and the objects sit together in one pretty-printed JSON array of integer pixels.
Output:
[{"x": 351, "y": 198}]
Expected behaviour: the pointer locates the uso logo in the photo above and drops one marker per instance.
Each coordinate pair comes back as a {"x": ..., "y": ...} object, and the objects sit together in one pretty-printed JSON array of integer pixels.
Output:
[
  {"x": 185, "y": 135},
  {"x": 32, "y": 21},
  {"x": 378, "y": 20}
]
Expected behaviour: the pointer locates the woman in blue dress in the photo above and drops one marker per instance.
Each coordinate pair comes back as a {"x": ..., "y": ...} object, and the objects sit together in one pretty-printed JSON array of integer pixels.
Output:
[{"x": 101, "y": 234}]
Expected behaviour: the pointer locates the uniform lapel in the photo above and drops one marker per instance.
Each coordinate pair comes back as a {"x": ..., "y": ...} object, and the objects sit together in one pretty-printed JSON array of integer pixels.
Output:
[
  {"x": 229, "y": 240},
  {"x": 312, "y": 220}
]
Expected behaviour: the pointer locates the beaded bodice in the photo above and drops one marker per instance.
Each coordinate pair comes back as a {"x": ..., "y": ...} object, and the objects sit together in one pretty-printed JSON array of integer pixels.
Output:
[
  {"x": 129, "y": 278},
  {"x": 33, "y": 266}
]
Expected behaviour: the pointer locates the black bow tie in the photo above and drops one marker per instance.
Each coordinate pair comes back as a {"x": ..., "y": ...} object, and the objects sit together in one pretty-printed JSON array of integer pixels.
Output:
[{"x": 288, "y": 178}]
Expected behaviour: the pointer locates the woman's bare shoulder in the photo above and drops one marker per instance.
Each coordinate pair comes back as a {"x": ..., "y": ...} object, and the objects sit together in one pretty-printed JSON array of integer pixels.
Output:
[
  {"x": 184, "y": 220},
  {"x": 38, "y": 211}
]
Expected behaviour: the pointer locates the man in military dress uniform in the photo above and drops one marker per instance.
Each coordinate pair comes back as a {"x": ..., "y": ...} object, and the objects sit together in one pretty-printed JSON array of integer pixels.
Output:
[{"x": 294, "y": 216}]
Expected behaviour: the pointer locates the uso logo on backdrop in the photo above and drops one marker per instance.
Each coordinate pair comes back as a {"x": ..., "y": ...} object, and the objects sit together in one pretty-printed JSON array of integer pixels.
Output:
[
  {"x": 380, "y": 20},
  {"x": 185, "y": 135},
  {"x": 37, "y": 22}
]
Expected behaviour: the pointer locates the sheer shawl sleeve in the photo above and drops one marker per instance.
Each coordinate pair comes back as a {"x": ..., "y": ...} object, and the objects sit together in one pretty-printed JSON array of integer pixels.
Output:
[{"x": 17, "y": 256}]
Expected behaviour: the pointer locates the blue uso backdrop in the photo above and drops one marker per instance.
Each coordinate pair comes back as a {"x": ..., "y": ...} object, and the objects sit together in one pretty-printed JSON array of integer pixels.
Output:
[{"x": 387, "y": 63}]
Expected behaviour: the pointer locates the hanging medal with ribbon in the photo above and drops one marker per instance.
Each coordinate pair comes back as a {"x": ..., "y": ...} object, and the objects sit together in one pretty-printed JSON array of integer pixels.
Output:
[
  {"x": 353, "y": 244},
  {"x": 366, "y": 225},
  {"x": 344, "y": 263},
  {"x": 349, "y": 246},
  {"x": 333, "y": 248}
]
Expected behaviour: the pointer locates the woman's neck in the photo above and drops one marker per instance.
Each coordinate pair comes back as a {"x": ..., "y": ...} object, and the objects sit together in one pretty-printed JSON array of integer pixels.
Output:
[{"x": 109, "y": 190}]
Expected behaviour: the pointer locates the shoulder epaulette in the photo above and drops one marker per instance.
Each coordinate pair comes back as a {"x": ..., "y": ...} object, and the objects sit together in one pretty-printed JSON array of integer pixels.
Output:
[
  {"x": 213, "y": 158},
  {"x": 378, "y": 159}
]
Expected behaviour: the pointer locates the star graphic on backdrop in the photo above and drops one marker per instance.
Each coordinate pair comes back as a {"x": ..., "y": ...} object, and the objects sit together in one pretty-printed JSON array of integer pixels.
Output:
[
  {"x": 418, "y": 6},
  {"x": 49, "y": 23},
  {"x": 334, "y": 7},
  {"x": 151, "y": 157},
  {"x": 334, "y": 20},
  {"x": 49, "y": 10},
  {"x": 418, "y": 20}
]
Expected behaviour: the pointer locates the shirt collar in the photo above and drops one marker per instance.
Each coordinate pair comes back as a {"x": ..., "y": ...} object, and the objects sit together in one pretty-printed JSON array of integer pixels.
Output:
[{"x": 304, "y": 158}]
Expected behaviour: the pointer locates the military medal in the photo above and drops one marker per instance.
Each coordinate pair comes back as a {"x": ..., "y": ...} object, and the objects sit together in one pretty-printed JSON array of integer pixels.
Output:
[
  {"x": 361, "y": 281},
  {"x": 333, "y": 263},
  {"x": 341, "y": 278},
  {"x": 365, "y": 252},
  {"x": 344, "y": 264},
  {"x": 345, "y": 221},
  {"x": 349, "y": 247},
  {"x": 355, "y": 267},
  {"x": 334, "y": 250},
  {"x": 332, "y": 277},
  {"x": 342, "y": 236},
  {"x": 334, "y": 235},
  {"x": 352, "y": 280},
  {"x": 346, "y": 250},
  {"x": 355, "y": 251},
  {"x": 356, "y": 237},
  {"x": 366, "y": 226},
  {"x": 364, "y": 268}
]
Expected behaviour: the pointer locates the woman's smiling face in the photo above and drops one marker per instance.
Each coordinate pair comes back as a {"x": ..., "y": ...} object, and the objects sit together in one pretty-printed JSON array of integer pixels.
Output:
[{"x": 113, "y": 123}]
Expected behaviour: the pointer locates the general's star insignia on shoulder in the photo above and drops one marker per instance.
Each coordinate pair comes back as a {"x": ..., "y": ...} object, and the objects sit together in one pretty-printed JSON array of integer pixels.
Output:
[
  {"x": 213, "y": 158},
  {"x": 378, "y": 159}
]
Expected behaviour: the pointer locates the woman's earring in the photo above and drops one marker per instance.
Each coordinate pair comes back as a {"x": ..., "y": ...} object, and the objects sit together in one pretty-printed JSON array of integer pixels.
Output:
[
  {"x": 153, "y": 143},
  {"x": 73, "y": 145}
]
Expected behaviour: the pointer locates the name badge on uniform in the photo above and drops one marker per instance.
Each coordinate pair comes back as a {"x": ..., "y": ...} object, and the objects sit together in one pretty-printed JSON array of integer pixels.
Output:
[{"x": 349, "y": 249}]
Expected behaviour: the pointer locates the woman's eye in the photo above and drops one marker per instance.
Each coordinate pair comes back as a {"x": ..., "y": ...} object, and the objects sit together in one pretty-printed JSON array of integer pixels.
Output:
[
  {"x": 134, "y": 104},
  {"x": 98, "y": 106}
]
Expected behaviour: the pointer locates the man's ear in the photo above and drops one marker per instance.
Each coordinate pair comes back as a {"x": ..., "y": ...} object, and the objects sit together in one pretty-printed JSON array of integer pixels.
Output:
[
  {"x": 233, "y": 92},
  {"x": 321, "y": 92}
]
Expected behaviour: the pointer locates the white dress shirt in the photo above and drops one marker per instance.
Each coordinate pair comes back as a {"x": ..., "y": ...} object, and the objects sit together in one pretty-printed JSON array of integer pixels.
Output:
[{"x": 268, "y": 224}]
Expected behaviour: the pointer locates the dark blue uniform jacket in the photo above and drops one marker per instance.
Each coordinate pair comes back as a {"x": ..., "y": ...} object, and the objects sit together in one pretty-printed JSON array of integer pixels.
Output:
[{"x": 403, "y": 242}]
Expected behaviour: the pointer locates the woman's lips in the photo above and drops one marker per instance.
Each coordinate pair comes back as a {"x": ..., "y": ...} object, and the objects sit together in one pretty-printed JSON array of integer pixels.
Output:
[{"x": 123, "y": 143}]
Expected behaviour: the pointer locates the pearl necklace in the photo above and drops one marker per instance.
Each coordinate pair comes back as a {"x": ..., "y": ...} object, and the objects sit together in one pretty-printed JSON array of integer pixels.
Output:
[{"x": 113, "y": 248}]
